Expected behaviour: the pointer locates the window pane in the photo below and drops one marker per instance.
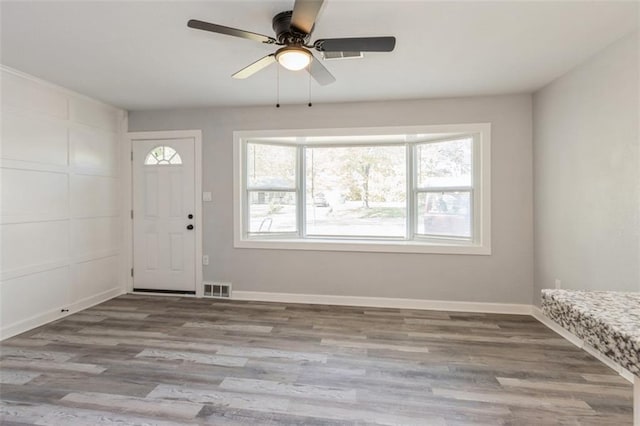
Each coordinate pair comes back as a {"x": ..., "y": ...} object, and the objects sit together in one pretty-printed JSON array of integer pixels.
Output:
[
  {"x": 356, "y": 191},
  {"x": 444, "y": 214},
  {"x": 272, "y": 212},
  {"x": 442, "y": 164},
  {"x": 162, "y": 155},
  {"x": 271, "y": 166}
]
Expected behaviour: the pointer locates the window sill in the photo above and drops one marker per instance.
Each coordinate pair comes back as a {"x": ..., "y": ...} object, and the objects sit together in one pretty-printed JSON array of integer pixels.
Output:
[{"x": 364, "y": 246}]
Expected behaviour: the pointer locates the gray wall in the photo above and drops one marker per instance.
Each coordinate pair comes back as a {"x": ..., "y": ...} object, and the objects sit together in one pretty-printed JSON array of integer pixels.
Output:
[
  {"x": 505, "y": 276},
  {"x": 587, "y": 182}
]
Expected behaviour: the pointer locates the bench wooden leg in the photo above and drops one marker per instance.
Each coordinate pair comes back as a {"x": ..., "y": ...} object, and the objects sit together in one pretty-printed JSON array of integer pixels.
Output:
[{"x": 636, "y": 401}]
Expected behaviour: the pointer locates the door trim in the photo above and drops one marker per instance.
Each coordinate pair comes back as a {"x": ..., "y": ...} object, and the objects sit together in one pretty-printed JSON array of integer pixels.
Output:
[{"x": 127, "y": 191}]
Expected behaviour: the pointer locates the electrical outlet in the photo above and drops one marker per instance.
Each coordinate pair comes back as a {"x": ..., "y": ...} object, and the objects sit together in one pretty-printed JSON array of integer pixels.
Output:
[
  {"x": 205, "y": 259},
  {"x": 558, "y": 284},
  {"x": 206, "y": 196}
]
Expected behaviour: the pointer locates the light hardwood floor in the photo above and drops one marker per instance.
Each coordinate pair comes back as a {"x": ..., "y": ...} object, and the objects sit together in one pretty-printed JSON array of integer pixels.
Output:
[{"x": 170, "y": 360}]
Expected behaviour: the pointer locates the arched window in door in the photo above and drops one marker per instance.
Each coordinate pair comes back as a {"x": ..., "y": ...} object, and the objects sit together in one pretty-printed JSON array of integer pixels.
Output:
[{"x": 162, "y": 156}]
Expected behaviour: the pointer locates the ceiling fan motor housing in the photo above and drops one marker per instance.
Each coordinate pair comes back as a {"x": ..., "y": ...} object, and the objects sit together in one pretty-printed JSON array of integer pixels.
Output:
[{"x": 285, "y": 33}]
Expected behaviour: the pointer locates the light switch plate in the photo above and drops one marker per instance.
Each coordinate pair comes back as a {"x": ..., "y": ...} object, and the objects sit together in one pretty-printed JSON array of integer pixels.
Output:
[
  {"x": 205, "y": 259},
  {"x": 206, "y": 196}
]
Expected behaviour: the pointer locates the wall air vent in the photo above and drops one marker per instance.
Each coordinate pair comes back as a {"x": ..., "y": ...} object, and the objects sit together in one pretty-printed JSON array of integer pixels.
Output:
[
  {"x": 341, "y": 55},
  {"x": 217, "y": 290}
]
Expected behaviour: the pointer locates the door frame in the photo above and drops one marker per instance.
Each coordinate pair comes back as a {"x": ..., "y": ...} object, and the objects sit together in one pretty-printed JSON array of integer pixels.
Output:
[{"x": 127, "y": 181}]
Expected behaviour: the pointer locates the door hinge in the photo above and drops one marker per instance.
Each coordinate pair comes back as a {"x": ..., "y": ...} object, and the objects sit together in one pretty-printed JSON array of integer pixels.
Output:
[
  {"x": 131, "y": 214},
  {"x": 131, "y": 271}
]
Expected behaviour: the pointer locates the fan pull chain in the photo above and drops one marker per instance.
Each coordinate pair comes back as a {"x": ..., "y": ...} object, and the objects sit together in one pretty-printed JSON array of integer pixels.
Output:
[
  {"x": 277, "y": 85},
  {"x": 309, "y": 73}
]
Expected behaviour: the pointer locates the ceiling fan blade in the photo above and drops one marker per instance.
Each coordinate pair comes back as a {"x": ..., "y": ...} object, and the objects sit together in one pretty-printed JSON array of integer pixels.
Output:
[
  {"x": 220, "y": 29},
  {"x": 356, "y": 44},
  {"x": 320, "y": 73},
  {"x": 250, "y": 70},
  {"x": 304, "y": 15}
]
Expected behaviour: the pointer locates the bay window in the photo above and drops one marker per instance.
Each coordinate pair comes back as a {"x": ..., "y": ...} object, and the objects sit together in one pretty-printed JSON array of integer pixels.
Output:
[{"x": 413, "y": 189}]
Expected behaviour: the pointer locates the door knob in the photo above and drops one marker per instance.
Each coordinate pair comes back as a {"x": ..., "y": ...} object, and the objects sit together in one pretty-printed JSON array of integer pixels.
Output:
[
  {"x": 190, "y": 216},
  {"x": 189, "y": 227}
]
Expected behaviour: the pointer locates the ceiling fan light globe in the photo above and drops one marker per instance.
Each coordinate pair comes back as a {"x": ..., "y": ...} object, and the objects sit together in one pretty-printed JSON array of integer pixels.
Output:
[{"x": 293, "y": 58}]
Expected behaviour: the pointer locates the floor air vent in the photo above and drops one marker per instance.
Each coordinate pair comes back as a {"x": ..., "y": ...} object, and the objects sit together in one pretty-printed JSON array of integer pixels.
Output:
[{"x": 217, "y": 290}]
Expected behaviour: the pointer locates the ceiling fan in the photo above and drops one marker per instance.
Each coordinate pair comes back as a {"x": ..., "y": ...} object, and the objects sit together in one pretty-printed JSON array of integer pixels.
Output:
[{"x": 293, "y": 30}]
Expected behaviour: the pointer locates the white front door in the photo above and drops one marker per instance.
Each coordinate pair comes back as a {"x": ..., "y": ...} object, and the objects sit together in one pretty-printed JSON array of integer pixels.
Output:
[{"x": 164, "y": 239}]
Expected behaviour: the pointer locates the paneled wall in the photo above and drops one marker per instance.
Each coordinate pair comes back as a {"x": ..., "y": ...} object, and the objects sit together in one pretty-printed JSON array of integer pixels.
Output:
[{"x": 60, "y": 212}]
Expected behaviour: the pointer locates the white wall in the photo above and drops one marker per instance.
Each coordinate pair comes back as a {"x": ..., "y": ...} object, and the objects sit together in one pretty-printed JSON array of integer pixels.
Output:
[
  {"x": 587, "y": 175},
  {"x": 60, "y": 214},
  {"x": 503, "y": 277}
]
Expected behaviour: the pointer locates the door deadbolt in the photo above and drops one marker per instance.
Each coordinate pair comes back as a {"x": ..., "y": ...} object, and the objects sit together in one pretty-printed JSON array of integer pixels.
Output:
[
  {"x": 190, "y": 216},
  {"x": 189, "y": 227}
]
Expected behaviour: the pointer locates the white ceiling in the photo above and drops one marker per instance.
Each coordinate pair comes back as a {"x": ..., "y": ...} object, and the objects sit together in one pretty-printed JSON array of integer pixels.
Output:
[{"x": 140, "y": 55}]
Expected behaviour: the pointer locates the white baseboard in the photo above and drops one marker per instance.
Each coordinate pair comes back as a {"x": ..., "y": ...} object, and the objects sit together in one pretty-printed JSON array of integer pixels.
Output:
[
  {"x": 384, "y": 302},
  {"x": 537, "y": 314},
  {"x": 55, "y": 314}
]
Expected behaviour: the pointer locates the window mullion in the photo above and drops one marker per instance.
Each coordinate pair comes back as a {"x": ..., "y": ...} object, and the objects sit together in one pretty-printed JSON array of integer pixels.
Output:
[
  {"x": 269, "y": 189},
  {"x": 245, "y": 192},
  {"x": 476, "y": 194},
  {"x": 474, "y": 215},
  {"x": 445, "y": 189},
  {"x": 410, "y": 194},
  {"x": 301, "y": 211}
]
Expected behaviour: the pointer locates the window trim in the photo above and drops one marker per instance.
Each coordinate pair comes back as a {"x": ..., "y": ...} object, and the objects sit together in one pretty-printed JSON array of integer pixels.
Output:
[{"x": 480, "y": 188}]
